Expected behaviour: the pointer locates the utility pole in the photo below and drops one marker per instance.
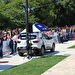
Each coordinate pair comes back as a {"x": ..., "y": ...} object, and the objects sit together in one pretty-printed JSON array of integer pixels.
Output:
[{"x": 27, "y": 29}]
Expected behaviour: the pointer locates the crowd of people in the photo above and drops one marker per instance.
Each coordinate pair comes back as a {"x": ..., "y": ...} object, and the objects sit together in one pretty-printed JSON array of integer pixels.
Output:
[
  {"x": 8, "y": 38},
  {"x": 63, "y": 34},
  {"x": 8, "y": 41}
]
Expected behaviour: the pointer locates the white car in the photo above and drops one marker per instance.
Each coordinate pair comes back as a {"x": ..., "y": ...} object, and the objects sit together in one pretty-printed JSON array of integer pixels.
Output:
[{"x": 39, "y": 42}]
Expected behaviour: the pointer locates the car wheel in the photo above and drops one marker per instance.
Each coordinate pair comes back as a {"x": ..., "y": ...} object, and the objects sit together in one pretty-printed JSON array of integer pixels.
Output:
[
  {"x": 42, "y": 50},
  {"x": 20, "y": 53},
  {"x": 53, "y": 48}
]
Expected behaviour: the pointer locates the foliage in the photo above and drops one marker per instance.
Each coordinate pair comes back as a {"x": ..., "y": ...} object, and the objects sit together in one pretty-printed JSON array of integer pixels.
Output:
[
  {"x": 12, "y": 10},
  {"x": 50, "y": 12},
  {"x": 45, "y": 11},
  {"x": 66, "y": 12}
]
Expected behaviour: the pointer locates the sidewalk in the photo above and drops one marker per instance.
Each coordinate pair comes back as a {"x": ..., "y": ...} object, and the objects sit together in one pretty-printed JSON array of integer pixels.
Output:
[
  {"x": 62, "y": 49},
  {"x": 10, "y": 61},
  {"x": 67, "y": 66}
]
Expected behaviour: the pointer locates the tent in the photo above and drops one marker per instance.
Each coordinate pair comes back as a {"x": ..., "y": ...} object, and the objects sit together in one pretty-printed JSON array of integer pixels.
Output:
[
  {"x": 37, "y": 28},
  {"x": 24, "y": 31}
]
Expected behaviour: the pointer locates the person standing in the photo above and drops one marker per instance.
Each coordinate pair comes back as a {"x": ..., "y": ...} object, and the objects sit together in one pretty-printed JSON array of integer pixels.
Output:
[
  {"x": 11, "y": 46},
  {"x": 8, "y": 40},
  {"x": 55, "y": 35},
  {"x": 61, "y": 37},
  {"x": 14, "y": 42},
  {"x": 5, "y": 47},
  {"x": 1, "y": 44}
]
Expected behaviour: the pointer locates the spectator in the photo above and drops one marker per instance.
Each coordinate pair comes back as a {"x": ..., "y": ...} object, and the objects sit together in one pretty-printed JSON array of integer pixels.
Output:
[
  {"x": 55, "y": 35},
  {"x": 15, "y": 38},
  {"x": 61, "y": 37},
  {"x": 1, "y": 44},
  {"x": 11, "y": 46},
  {"x": 8, "y": 40}
]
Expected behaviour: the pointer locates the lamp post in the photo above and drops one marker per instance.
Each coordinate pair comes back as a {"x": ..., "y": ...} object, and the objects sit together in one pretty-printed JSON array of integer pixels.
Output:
[{"x": 27, "y": 33}]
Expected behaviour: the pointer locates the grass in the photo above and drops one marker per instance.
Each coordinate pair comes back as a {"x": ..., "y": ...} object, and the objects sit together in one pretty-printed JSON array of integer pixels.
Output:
[
  {"x": 34, "y": 67},
  {"x": 72, "y": 46}
]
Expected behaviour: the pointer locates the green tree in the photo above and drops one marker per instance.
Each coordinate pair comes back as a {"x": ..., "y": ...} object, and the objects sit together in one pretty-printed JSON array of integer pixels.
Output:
[
  {"x": 45, "y": 11},
  {"x": 13, "y": 11},
  {"x": 48, "y": 12},
  {"x": 66, "y": 10}
]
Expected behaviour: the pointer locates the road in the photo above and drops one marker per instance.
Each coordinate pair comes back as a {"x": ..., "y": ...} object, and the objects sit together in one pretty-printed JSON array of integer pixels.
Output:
[{"x": 62, "y": 49}]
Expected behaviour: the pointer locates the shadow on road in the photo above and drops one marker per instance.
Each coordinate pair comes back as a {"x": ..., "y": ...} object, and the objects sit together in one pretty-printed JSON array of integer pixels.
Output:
[
  {"x": 4, "y": 67},
  {"x": 52, "y": 53}
]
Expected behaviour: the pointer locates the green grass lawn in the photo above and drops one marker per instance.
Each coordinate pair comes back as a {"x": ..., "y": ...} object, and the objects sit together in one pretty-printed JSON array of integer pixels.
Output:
[
  {"x": 34, "y": 67},
  {"x": 72, "y": 46}
]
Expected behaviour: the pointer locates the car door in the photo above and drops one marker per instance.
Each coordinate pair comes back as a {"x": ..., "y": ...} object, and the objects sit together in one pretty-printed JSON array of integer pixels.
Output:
[
  {"x": 46, "y": 41},
  {"x": 50, "y": 42}
]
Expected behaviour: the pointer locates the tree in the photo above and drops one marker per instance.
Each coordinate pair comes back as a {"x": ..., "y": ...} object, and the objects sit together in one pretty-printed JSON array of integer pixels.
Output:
[
  {"x": 45, "y": 11},
  {"x": 66, "y": 12},
  {"x": 13, "y": 10},
  {"x": 48, "y": 12}
]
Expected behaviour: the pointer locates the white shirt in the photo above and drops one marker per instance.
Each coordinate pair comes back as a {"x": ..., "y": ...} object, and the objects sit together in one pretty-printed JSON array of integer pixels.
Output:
[{"x": 6, "y": 46}]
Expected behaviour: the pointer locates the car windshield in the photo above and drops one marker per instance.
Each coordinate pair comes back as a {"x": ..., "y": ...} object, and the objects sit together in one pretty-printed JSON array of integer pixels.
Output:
[{"x": 23, "y": 37}]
